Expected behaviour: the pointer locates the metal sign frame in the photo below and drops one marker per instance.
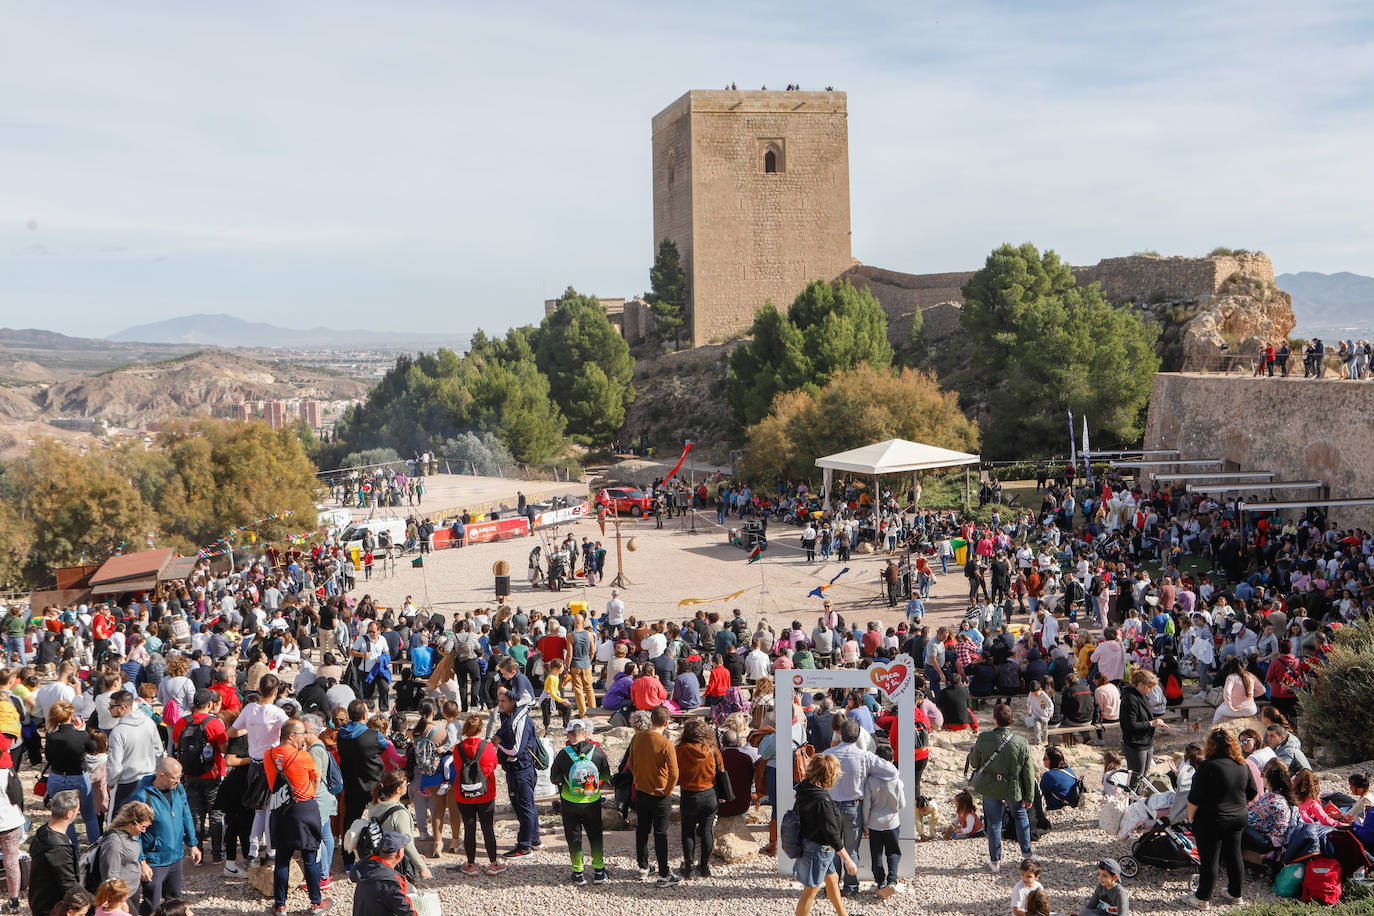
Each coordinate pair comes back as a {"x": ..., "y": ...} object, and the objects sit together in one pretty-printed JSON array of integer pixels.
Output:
[{"x": 894, "y": 678}]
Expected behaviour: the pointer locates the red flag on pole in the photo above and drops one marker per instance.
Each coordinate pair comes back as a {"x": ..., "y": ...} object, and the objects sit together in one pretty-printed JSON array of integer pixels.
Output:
[{"x": 677, "y": 467}]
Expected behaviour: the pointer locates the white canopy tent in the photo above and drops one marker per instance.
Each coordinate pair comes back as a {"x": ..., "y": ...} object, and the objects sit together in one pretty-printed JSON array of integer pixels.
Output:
[{"x": 894, "y": 456}]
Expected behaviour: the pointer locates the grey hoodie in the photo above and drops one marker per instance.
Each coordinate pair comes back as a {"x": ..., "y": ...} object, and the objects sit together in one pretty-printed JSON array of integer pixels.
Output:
[{"x": 134, "y": 749}]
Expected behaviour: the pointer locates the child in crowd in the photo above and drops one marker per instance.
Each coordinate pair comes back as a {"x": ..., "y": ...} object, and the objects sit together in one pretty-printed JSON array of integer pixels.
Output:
[
  {"x": 1109, "y": 898},
  {"x": 94, "y": 765},
  {"x": 967, "y": 824},
  {"x": 1111, "y": 761},
  {"x": 112, "y": 897},
  {"x": 77, "y": 902},
  {"x": 1038, "y": 904},
  {"x": 1039, "y": 711},
  {"x": 553, "y": 694},
  {"x": 1359, "y": 787},
  {"x": 1030, "y": 881}
]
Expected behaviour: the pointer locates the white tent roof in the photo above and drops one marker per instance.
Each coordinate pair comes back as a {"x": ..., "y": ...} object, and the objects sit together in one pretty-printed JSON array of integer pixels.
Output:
[{"x": 895, "y": 456}]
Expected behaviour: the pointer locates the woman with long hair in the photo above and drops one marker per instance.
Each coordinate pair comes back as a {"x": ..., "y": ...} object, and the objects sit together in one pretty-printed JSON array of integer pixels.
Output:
[
  {"x": 390, "y": 811},
  {"x": 475, "y": 808},
  {"x": 1222, "y": 788},
  {"x": 1240, "y": 688},
  {"x": 822, "y": 837},
  {"x": 428, "y": 802},
  {"x": 698, "y": 762},
  {"x": 1272, "y": 814}
]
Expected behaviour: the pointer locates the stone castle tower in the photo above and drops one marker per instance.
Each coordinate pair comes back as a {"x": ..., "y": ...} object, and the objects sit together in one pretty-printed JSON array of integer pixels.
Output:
[{"x": 753, "y": 187}]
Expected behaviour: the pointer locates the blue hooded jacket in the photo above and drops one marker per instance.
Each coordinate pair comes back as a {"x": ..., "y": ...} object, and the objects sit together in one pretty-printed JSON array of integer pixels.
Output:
[{"x": 172, "y": 823}]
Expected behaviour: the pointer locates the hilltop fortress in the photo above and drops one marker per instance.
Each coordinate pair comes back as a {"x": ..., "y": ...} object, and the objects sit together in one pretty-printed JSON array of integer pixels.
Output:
[{"x": 753, "y": 187}]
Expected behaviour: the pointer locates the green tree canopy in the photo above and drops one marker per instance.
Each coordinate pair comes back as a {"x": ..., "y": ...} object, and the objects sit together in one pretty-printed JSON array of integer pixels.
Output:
[
  {"x": 667, "y": 296},
  {"x": 856, "y": 407},
  {"x": 589, "y": 367},
  {"x": 829, "y": 328},
  {"x": 424, "y": 400},
  {"x": 1042, "y": 345}
]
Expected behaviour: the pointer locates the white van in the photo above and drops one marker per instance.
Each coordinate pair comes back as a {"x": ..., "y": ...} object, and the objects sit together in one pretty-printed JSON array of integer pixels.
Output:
[
  {"x": 393, "y": 528},
  {"x": 333, "y": 520}
]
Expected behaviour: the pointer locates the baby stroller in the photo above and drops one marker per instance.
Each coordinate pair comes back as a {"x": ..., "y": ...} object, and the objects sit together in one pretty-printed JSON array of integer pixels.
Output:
[{"x": 1161, "y": 844}]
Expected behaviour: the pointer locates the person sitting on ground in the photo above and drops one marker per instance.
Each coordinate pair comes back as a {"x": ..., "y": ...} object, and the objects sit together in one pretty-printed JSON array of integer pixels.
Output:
[
  {"x": 967, "y": 825},
  {"x": 1272, "y": 814},
  {"x": 1307, "y": 794},
  {"x": 1109, "y": 896},
  {"x": 954, "y": 705}
]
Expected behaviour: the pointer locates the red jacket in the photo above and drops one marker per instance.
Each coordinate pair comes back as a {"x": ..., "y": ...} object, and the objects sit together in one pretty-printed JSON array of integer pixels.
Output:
[
  {"x": 647, "y": 691},
  {"x": 488, "y": 763},
  {"x": 215, "y": 733}
]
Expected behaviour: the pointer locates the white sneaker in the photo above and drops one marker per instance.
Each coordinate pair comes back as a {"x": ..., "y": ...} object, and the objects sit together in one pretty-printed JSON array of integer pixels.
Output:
[
  {"x": 232, "y": 869},
  {"x": 1192, "y": 901},
  {"x": 995, "y": 867},
  {"x": 644, "y": 874}
]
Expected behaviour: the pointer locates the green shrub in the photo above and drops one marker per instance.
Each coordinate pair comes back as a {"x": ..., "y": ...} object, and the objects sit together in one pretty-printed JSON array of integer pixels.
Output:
[{"x": 1330, "y": 720}]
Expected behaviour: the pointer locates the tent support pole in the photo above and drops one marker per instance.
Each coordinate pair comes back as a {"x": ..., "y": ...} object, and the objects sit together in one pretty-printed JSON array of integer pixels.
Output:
[{"x": 965, "y": 487}]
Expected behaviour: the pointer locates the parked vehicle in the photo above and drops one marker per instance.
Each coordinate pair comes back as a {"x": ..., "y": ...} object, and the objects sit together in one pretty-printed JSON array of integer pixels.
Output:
[{"x": 625, "y": 499}]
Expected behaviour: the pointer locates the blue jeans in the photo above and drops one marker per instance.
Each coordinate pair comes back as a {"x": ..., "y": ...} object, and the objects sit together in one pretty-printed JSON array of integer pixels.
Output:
[
  {"x": 15, "y": 644},
  {"x": 81, "y": 784},
  {"x": 851, "y": 828},
  {"x": 281, "y": 874},
  {"x": 993, "y": 811},
  {"x": 326, "y": 849}
]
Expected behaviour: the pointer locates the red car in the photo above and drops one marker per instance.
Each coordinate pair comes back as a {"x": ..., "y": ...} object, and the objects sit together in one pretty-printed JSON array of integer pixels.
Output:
[{"x": 625, "y": 499}]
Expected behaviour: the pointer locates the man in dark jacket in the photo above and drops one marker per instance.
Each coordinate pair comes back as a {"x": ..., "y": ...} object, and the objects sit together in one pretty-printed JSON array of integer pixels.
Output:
[
  {"x": 53, "y": 854},
  {"x": 515, "y": 743},
  {"x": 1077, "y": 705},
  {"x": 381, "y": 890},
  {"x": 360, "y": 761}
]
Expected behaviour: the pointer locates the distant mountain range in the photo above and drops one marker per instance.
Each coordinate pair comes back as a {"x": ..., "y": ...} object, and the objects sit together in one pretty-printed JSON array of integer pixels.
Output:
[
  {"x": 230, "y": 331},
  {"x": 1340, "y": 300}
]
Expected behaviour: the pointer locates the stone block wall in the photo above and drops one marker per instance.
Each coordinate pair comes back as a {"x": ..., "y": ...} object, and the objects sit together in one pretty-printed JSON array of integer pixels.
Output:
[
  {"x": 1141, "y": 279},
  {"x": 1301, "y": 429},
  {"x": 746, "y": 235}
]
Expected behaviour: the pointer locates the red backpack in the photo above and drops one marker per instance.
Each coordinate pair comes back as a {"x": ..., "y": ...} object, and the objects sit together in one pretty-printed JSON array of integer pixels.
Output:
[{"x": 1322, "y": 881}]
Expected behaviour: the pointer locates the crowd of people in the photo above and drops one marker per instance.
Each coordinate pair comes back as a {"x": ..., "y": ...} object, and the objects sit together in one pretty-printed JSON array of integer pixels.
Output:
[{"x": 248, "y": 716}]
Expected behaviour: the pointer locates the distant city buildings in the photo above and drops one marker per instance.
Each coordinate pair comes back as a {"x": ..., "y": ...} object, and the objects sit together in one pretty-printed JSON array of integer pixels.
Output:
[{"x": 318, "y": 416}]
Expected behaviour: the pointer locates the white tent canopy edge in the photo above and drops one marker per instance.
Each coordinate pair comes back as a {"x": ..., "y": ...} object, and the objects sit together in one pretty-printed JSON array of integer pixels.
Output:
[{"x": 892, "y": 456}]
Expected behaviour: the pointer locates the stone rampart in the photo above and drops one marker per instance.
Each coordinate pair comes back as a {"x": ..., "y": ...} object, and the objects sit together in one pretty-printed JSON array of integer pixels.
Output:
[
  {"x": 1301, "y": 429},
  {"x": 1144, "y": 278}
]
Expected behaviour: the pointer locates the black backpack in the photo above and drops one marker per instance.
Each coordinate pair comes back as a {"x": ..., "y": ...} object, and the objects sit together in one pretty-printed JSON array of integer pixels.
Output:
[
  {"x": 194, "y": 750},
  {"x": 472, "y": 782},
  {"x": 921, "y": 737}
]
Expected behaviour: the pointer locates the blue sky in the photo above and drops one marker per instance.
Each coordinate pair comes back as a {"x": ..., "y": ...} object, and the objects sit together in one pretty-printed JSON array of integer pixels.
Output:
[{"x": 444, "y": 166}]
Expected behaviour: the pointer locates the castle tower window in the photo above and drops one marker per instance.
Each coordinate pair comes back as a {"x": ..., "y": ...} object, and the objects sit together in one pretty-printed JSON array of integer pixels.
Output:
[{"x": 772, "y": 155}]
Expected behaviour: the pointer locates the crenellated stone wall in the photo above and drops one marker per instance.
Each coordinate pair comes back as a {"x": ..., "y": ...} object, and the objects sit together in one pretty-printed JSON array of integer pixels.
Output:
[{"x": 1301, "y": 429}]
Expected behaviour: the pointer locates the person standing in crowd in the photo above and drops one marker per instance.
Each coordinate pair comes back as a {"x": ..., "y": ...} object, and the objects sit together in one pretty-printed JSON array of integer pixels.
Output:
[
  {"x": 847, "y": 791},
  {"x": 53, "y": 853},
  {"x": 1138, "y": 724},
  {"x": 121, "y": 850},
  {"x": 381, "y": 890},
  {"x": 579, "y": 771},
  {"x": 823, "y": 840},
  {"x": 1004, "y": 775},
  {"x": 515, "y": 748},
  {"x": 360, "y": 759},
  {"x": 324, "y": 800},
  {"x": 295, "y": 826},
  {"x": 652, "y": 761},
  {"x": 261, "y": 721},
  {"x": 65, "y": 750},
  {"x": 200, "y": 739},
  {"x": 698, "y": 763},
  {"x": 1222, "y": 788},
  {"x": 580, "y": 649},
  {"x": 476, "y": 799},
  {"x": 173, "y": 828},
  {"x": 134, "y": 748}
]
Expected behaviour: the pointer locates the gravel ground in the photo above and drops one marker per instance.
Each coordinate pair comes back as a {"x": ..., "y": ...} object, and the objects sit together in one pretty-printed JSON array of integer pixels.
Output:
[{"x": 951, "y": 877}]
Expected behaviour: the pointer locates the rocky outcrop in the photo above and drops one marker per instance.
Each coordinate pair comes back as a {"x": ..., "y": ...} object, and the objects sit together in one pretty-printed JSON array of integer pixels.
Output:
[{"x": 1206, "y": 307}]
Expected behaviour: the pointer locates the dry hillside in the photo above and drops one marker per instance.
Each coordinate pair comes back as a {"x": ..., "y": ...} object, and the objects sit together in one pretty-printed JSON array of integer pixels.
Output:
[
  {"x": 681, "y": 396},
  {"x": 202, "y": 382}
]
